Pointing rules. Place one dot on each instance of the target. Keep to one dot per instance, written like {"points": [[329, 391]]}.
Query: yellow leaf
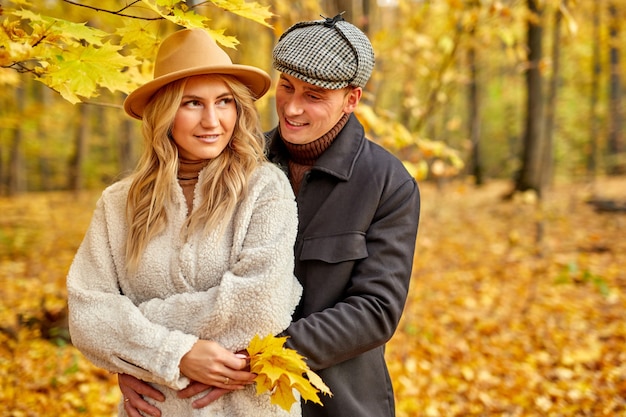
{"points": [[305, 388], [283, 394], [250, 10], [270, 369], [317, 382], [263, 383], [269, 343], [281, 370], [183, 16], [63, 29]]}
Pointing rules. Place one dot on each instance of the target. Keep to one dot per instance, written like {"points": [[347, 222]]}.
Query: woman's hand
{"points": [[209, 363], [210, 367]]}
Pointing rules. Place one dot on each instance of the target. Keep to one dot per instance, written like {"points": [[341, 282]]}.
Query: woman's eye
{"points": [[192, 103], [225, 101]]}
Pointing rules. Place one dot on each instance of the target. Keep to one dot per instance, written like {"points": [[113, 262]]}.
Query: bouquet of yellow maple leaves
{"points": [[280, 370]]}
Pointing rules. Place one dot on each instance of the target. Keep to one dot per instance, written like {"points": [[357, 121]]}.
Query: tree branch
{"points": [[117, 13]]}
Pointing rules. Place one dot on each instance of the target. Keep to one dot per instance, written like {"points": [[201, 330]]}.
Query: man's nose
{"points": [[294, 105]]}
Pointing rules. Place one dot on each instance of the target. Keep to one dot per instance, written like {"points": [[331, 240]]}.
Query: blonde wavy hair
{"points": [[151, 194]]}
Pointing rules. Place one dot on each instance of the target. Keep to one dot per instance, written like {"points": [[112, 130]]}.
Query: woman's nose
{"points": [[209, 117]]}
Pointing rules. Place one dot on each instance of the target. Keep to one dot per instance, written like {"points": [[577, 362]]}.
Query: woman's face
{"points": [[205, 120]]}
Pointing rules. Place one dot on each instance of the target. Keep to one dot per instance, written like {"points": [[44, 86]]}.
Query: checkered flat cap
{"points": [[329, 53]]}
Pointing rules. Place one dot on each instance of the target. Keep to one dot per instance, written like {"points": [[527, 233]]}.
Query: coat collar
{"points": [[338, 160]]}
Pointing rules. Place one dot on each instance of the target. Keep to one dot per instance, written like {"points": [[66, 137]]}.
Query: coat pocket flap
{"points": [[335, 249]]}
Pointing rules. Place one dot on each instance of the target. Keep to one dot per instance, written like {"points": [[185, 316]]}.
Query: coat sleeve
{"points": [[259, 292], [369, 311], [107, 327]]}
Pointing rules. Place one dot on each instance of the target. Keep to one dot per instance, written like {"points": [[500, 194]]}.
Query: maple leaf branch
{"points": [[44, 35], [19, 66], [114, 12]]}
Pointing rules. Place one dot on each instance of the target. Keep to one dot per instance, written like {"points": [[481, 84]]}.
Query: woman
{"points": [[192, 255]]}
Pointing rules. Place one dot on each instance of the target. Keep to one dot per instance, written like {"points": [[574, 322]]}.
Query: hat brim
{"points": [[257, 80]]}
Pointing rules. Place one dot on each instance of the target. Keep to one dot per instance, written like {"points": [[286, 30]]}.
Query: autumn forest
{"points": [[510, 113]]}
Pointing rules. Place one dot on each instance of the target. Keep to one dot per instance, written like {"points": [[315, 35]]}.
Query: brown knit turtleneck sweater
{"points": [[188, 172], [303, 157]]}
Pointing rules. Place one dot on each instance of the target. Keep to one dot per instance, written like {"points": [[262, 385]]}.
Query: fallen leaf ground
{"points": [[516, 308]]}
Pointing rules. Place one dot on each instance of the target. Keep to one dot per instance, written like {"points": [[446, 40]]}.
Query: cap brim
{"points": [[258, 81]]}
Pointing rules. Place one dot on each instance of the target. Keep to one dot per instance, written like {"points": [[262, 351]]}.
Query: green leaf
{"points": [[81, 71], [135, 33]]}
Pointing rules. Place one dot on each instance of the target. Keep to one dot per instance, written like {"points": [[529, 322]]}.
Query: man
{"points": [[358, 212]]}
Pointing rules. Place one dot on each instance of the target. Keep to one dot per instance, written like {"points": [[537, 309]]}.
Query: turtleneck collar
{"points": [[308, 153], [188, 173], [189, 170], [303, 156]]}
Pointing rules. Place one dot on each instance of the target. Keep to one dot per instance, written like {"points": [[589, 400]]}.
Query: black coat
{"points": [[358, 212]]}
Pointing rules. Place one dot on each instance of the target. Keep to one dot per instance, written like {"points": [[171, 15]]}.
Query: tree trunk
{"points": [[596, 72], [128, 136], [43, 133], [334, 7], [75, 171], [476, 166], [551, 105], [530, 174], [365, 26], [2, 176], [616, 138], [15, 179]]}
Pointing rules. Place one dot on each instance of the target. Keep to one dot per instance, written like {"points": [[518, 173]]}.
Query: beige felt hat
{"points": [[192, 52]]}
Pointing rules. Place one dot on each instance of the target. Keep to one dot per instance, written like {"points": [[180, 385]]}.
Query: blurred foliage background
{"points": [[517, 305], [450, 92]]}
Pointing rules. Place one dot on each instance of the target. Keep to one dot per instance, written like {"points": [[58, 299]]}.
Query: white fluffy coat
{"points": [[225, 288]]}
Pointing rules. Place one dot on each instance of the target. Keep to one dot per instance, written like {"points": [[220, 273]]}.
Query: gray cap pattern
{"points": [[329, 53]]}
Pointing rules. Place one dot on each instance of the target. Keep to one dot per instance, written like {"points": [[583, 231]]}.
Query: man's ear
{"points": [[353, 98]]}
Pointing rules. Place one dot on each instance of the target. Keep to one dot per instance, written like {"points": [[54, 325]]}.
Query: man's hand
{"points": [[195, 387], [133, 390]]}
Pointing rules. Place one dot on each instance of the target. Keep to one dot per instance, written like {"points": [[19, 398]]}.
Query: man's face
{"points": [[306, 112]]}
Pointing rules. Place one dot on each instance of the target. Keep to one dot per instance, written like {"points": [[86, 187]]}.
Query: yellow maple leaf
{"points": [[283, 393], [317, 382], [250, 10], [178, 13], [281, 370]]}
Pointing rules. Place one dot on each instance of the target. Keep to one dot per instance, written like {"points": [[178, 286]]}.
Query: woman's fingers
{"points": [[209, 363]]}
